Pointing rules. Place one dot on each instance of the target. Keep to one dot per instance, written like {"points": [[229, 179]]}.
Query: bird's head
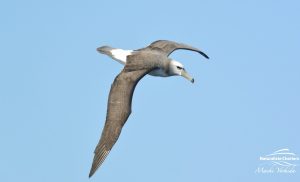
{"points": [[176, 68]]}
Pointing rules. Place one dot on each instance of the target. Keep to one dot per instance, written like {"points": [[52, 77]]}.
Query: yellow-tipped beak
{"points": [[187, 76]]}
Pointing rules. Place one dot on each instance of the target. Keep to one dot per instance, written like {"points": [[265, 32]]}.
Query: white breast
{"points": [[120, 55]]}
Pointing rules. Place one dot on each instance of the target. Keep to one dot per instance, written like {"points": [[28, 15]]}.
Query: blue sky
{"points": [[54, 87]]}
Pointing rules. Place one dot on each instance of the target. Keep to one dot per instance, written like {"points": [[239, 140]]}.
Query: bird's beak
{"points": [[187, 76]]}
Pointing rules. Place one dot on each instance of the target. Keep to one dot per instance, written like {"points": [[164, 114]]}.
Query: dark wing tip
{"points": [[203, 54], [100, 156], [92, 171]]}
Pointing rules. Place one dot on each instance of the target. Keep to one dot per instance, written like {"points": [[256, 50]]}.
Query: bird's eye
{"points": [[179, 67]]}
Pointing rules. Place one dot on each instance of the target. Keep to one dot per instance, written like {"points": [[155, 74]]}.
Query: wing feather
{"points": [[167, 47], [118, 111]]}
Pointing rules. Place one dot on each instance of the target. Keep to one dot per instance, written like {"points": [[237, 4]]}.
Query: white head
{"points": [[176, 68]]}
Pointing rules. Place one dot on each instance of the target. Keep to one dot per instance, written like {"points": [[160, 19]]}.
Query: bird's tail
{"points": [[116, 54], [105, 50]]}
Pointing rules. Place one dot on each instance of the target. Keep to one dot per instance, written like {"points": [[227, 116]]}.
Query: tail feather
{"points": [[119, 55]]}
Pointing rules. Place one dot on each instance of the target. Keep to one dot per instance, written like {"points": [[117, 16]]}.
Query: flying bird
{"points": [[152, 60]]}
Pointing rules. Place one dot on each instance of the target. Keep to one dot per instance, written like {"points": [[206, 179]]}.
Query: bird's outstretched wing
{"points": [[118, 111], [167, 47]]}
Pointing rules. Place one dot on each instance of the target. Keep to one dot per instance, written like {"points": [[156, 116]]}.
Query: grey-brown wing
{"points": [[118, 111], [168, 47]]}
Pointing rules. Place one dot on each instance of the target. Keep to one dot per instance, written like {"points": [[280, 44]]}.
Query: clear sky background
{"points": [[54, 87]]}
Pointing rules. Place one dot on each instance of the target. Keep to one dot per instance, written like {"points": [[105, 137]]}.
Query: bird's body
{"points": [[151, 60], [120, 56]]}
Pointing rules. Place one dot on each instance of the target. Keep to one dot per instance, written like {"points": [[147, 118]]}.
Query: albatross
{"points": [[153, 60]]}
